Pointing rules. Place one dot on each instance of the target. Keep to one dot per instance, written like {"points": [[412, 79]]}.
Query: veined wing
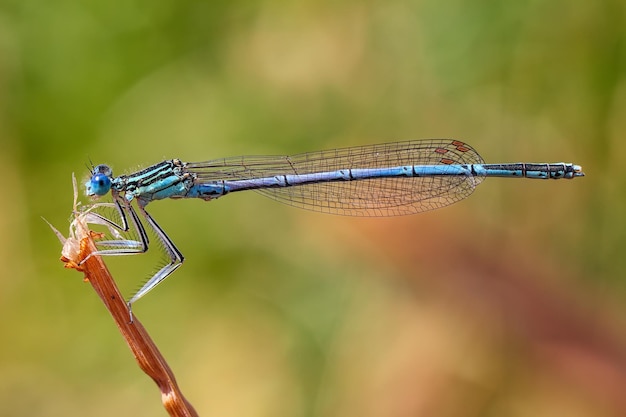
{"points": [[388, 196]]}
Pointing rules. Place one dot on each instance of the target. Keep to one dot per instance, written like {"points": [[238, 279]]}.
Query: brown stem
{"points": [[145, 351]]}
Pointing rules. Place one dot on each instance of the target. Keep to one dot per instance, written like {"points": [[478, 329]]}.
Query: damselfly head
{"points": [[100, 182]]}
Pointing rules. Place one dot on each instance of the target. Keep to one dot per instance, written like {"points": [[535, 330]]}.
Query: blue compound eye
{"points": [[100, 184]]}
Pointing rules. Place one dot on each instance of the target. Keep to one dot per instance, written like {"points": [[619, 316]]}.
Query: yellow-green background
{"points": [[510, 303]]}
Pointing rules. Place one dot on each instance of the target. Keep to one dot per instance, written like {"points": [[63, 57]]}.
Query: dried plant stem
{"points": [[146, 353]]}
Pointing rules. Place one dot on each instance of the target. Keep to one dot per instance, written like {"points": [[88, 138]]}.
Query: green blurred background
{"points": [[510, 303]]}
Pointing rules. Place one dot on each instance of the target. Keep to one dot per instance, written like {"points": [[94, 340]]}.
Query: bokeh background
{"points": [[510, 303]]}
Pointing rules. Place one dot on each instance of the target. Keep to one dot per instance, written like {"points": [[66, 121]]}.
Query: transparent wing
{"points": [[367, 197]]}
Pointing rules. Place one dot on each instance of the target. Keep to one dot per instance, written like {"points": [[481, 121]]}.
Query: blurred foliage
{"points": [[509, 303]]}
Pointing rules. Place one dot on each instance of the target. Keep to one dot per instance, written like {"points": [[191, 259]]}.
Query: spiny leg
{"points": [[176, 258], [122, 246]]}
